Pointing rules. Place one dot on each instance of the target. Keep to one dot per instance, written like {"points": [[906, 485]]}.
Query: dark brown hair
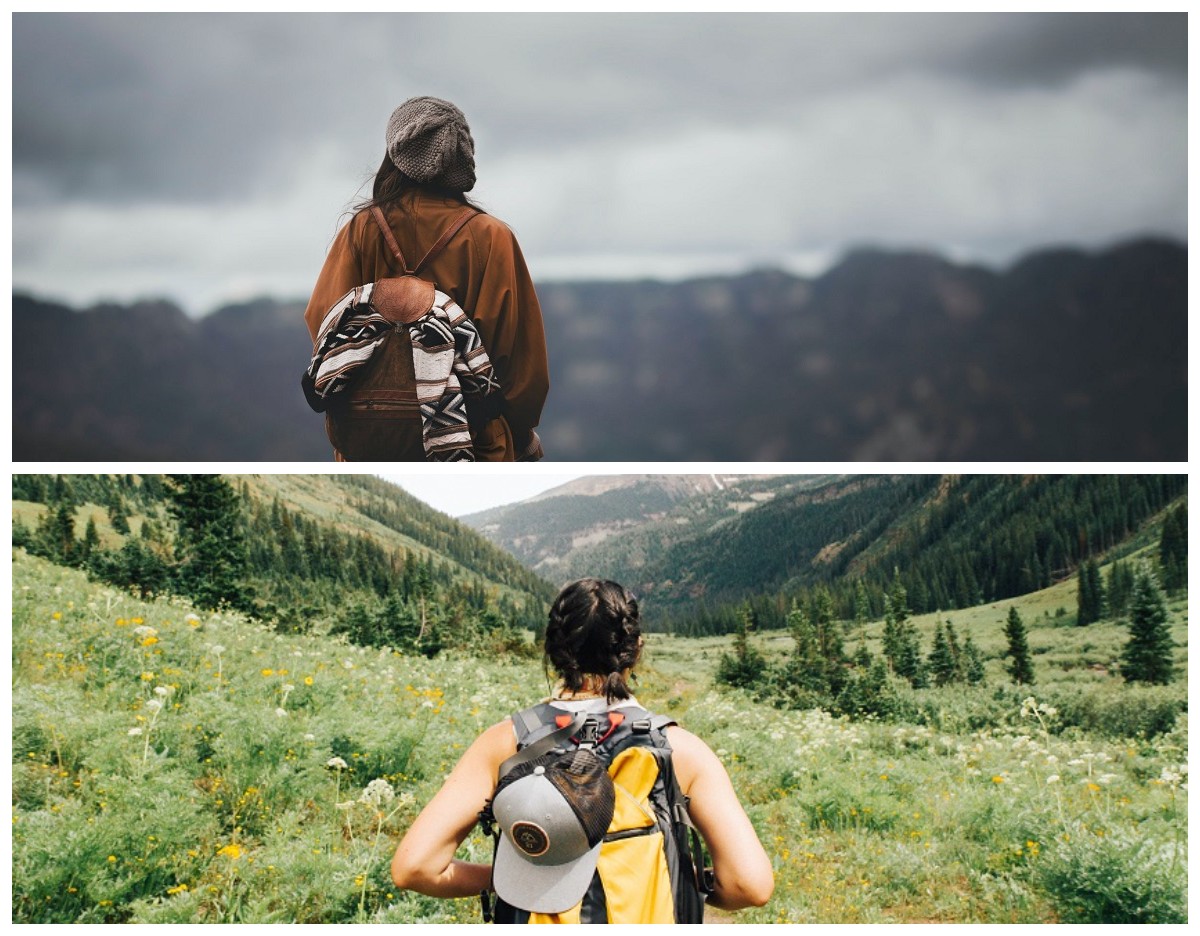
{"points": [[391, 184], [594, 630]]}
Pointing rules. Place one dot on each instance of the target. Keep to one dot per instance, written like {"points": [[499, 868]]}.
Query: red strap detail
{"points": [[614, 720], [563, 720]]}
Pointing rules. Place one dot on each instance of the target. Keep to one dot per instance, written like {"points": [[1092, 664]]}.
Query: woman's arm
{"points": [[743, 873], [424, 861], [340, 273]]}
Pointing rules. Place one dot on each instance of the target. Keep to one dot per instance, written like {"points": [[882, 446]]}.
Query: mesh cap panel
{"points": [[582, 780]]}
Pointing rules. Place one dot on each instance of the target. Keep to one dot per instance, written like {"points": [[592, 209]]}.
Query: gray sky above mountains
{"points": [[209, 157]]}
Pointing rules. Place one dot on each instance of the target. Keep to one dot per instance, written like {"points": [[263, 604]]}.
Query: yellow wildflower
{"points": [[268, 672], [148, 677], [150, 641], [308, 680], [57, 615], [997, 779], [232, 850]]}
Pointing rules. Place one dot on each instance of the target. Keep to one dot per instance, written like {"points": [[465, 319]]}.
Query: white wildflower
{"points": [[145, 630], [216, 649], [378, 793], [288, 687], [281, 712], [1053, 778], [163, 691], [1106, 779], [154, 705], [310, 737], [134, 732], [336, 763]]}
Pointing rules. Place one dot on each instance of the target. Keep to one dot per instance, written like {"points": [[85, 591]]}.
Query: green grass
{"points": [[220, 806]]}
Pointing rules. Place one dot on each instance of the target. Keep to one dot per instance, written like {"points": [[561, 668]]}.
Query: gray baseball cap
{"points": [[553, 813]]}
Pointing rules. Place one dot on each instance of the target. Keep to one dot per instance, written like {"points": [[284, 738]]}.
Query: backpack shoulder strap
{"points": [[390, 239], [455, 226], [527, 722]]}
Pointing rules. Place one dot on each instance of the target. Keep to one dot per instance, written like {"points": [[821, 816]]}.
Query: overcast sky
{"points": [[208, 158], [464, 493]]}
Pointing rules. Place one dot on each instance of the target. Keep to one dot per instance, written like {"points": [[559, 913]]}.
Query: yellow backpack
{"points": [[651, 867]]}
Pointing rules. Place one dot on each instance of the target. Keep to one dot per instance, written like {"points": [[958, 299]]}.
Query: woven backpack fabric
{"points": [[399, 369]]}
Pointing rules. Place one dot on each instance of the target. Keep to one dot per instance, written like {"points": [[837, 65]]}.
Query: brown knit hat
{"points": [[429, 141]]}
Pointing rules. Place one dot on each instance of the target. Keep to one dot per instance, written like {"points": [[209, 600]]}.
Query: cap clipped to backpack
{"points": [[553, 813]]}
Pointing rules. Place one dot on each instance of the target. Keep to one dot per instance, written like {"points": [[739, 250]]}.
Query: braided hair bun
{"points": [[594, 630]]}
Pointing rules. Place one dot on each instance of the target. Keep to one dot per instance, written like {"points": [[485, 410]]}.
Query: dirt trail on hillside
{"points": [[713, 915]]}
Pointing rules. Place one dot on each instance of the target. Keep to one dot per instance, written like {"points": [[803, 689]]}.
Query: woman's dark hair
{"points": [[390, 184], [594, 629]]}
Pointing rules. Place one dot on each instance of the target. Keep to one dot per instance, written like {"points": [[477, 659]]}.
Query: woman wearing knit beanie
{"points": [[428, 167]]}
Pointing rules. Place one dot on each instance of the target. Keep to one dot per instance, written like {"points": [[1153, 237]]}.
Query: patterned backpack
{"points": [[399, 370], [651, 867]]}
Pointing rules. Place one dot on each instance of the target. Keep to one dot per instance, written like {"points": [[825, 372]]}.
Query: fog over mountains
{"points": [[1067, 355]]}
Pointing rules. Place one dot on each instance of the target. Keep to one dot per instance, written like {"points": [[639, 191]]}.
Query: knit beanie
{"points": [[429, 141]]}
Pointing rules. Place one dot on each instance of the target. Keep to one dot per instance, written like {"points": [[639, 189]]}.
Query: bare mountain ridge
{"points": [[595, 525], [1067, 355]]}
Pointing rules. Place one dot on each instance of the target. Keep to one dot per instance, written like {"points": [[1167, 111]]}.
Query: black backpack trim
{"points": [[538, 733]]}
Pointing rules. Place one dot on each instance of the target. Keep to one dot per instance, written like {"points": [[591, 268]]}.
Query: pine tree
{"points": [[955, 651], [1091, 594], [908, 658], [973, 669], [831, 654], [1172, 550], [55, 536], [1021, 667], [862, 605], [211, 546], [90, 541], [943, 667], [1147, 656], [746, 666], [1119, 587], [895, 620]]}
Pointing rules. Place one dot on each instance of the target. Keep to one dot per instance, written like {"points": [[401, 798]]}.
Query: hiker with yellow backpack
{"points": [[601, 811]]}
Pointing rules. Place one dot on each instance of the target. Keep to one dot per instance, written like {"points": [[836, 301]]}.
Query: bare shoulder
{"points": [[691, 756]]}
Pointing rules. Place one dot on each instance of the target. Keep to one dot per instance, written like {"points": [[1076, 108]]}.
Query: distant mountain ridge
{"points": [[572, 530], [696, 550], [1067, 355]]}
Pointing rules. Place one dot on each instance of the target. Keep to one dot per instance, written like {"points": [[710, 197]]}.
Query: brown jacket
{"points": [[483, 270]]}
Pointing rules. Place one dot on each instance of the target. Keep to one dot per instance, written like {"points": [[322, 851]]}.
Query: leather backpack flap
{"points": [[402, 299]]}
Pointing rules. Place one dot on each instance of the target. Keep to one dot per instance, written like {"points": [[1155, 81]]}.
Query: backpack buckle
{"points": [[589, 734], [641, 726]]}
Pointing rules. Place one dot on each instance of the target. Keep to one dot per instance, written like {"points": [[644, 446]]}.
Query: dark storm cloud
{"points": [[208, 157], [183, 108]]}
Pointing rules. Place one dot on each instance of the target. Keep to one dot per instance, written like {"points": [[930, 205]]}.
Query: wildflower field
{"points": [[175, 766]]}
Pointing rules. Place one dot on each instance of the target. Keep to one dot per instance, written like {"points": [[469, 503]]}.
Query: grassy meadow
{"points": [[175, 766]]}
